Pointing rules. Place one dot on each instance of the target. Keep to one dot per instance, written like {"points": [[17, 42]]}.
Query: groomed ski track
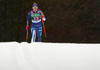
{"points": [[49, 56]]}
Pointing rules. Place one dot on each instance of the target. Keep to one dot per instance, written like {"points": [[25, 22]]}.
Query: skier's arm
{"points": [[44, 19]]}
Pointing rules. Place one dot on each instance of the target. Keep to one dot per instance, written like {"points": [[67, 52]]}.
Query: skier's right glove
{"points": [[27, 27]]}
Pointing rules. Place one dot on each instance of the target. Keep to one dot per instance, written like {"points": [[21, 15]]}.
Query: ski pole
{"points": [[27, 35], [44, 27]]}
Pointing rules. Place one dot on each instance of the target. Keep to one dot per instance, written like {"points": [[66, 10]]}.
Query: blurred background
{"points": [[68, 21]]}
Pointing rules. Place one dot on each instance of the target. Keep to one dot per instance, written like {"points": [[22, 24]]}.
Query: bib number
{"points": [[35, 16]]}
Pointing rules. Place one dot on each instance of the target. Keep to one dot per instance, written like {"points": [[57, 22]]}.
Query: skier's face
{"points": [[35, 8]]}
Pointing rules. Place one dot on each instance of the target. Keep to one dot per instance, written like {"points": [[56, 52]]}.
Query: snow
{"points": [[49, 56]]}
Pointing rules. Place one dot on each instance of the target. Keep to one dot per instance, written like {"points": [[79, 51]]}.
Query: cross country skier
{"points": [[36, 25]]}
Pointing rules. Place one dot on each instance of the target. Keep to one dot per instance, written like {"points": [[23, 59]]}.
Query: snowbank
{"points": [[49, 56]]}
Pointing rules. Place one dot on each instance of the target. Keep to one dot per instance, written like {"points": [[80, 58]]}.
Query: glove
{"points": [[27, 27], [44, 19]]}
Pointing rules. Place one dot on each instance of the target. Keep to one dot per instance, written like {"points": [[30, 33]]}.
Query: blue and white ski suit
{"points": [[36, 25]]}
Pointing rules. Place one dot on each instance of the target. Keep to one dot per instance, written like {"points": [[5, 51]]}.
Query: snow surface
{"points": [[49, 56]]}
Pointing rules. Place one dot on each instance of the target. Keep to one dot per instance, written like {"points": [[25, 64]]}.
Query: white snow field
{"points": [[49, 56]]}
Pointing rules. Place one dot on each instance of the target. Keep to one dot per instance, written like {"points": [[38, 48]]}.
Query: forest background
{"points": [[68, 21]]}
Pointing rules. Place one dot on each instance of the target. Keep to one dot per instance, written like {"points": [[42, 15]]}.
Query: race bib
{"points": [[35, 15]]}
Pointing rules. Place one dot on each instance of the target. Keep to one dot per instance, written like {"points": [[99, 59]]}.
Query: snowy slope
{"points": [[49, 56]]}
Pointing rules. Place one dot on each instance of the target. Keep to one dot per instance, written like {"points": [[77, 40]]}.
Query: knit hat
{"points": [[35, 5]]}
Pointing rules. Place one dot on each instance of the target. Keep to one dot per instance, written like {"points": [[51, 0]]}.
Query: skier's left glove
{"points": [[27, 26], [44, 19]]}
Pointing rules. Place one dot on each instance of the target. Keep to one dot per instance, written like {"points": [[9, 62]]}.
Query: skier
{"points": [[36, 25]]}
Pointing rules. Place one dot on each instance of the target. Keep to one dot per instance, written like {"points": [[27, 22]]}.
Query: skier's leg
{"points": [[39, 33], [33, 31]]}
